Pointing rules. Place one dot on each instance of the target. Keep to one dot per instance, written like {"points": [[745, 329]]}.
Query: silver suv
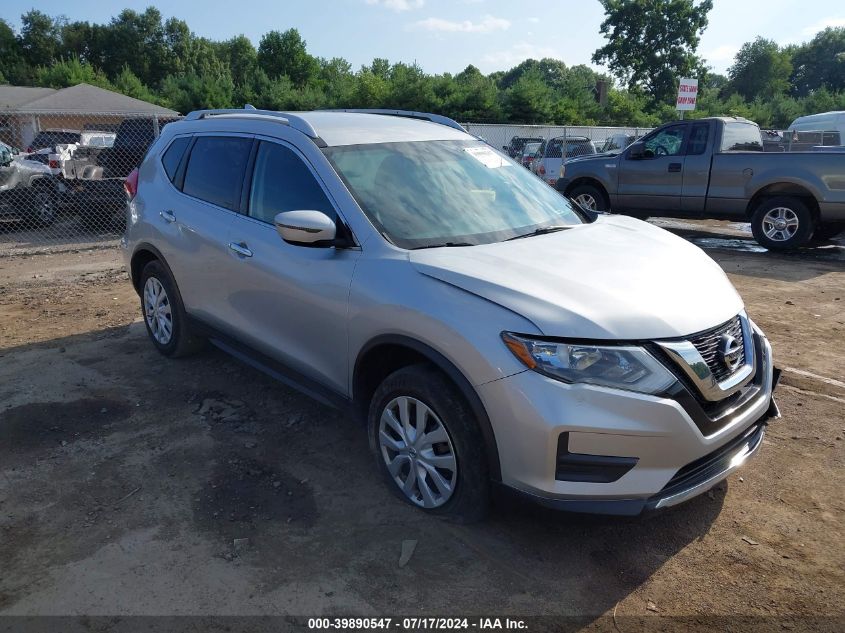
{"points": [[485, 329]]}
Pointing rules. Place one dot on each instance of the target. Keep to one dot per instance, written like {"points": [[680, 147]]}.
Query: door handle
{"points": [[674, 167], [168, 216], [241, 249]]}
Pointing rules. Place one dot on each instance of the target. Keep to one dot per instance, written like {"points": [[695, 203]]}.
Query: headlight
{"points": [[621, 367], [562, 171]]}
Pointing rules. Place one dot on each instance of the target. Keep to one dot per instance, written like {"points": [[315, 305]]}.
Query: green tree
{"points": [[760, 70], [71, 72], [195, 92], [13, 67], [39, 38], [285, 55], [652, 43], [129, 84], [820, 63], [530, 100], [241, 56]]}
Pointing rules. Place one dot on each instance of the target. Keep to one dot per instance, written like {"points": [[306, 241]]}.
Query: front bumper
{"points": [[674, 456]]}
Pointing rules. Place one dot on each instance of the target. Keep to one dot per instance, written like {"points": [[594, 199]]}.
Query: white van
{"points": [[818, 130]]}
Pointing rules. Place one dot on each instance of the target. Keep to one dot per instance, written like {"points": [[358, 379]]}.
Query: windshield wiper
{"points": [[541, 231], [419, 248]]}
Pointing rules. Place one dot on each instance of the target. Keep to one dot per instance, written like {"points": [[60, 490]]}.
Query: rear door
{"points": [[654, 182], [289, 302], [196, 216]]}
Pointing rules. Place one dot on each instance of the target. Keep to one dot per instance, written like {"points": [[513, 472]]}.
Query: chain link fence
{"points": [[543, 148], [62, 175]]}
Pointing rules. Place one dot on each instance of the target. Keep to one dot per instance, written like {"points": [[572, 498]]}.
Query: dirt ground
{"points": [[127, 482]]}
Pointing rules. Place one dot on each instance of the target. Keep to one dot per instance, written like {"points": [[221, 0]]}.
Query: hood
{"points": [[617, 278], [602, 156]]}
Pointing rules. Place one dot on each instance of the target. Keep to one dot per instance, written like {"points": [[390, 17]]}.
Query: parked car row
{"points": [[716, 168], [76, 172]]}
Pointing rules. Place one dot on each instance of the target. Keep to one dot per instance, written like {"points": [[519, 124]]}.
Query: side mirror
{"points": [[636, 151], [306, 228]]}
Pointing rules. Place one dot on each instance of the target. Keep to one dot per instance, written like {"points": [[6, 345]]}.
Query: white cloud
{"points": [[822, 24], [487, 24], [519, 52], [723, 53], [398, 5]]}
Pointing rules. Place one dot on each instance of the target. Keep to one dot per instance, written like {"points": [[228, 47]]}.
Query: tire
{"points": [[463, 494], [587, 195], [782, 223], [44, 205], [827, 231], [165, 319]]}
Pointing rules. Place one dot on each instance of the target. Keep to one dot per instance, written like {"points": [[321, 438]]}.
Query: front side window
{"points": [[440, 193], [282, 182], [216, 169], [667, 142]]}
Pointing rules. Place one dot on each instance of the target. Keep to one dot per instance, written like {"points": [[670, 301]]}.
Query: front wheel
{"points": [[590, 198], [43, 206], [426, 444], [782, 223]]}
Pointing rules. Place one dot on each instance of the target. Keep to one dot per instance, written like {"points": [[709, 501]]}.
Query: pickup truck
{"points": [[716, 168]]}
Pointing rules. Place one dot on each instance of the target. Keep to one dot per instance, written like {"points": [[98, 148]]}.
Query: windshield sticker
{"points": [[487, 157]]}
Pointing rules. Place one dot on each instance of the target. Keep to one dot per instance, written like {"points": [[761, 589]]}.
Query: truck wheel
{"points": [[43, 205], [826, 231], [589, 197], [782, 223], [426, 444]]}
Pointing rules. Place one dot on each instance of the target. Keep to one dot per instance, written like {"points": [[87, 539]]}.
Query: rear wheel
{"points": [[782, 223], [589, 197], [164, 314], [426, 444]]}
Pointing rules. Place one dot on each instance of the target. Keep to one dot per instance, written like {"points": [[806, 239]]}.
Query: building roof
{"points": [[15, 96], [79, 98]]}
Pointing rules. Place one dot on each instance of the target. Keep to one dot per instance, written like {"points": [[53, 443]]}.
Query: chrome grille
{"points": [[707, 344]]}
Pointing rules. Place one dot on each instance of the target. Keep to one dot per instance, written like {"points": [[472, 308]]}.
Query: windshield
{"points": [[447, 193]]}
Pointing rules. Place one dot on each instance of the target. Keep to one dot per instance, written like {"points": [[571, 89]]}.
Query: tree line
{"points": [[650, 44]]}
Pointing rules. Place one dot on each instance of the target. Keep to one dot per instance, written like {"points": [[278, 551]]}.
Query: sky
{"points": [[447, 35]]}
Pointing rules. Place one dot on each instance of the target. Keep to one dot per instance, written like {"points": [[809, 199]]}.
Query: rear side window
{"points": [[216, 168], [698, 139], [173, 156], [282, 182], [741, 137]]}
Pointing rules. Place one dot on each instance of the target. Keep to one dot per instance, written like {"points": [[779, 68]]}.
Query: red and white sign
{"points": [[687, 94]]}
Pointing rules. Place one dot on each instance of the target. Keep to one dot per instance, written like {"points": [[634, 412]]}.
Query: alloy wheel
{"points": [[586, 201], [780, 224], [418, 452], [157, 311]]}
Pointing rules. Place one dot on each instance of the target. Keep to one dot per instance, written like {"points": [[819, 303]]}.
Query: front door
{"points": [[290, 301], [653, 181]]}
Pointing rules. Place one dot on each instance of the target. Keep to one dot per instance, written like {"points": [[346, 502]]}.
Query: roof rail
{"points": [[409, 114], [286, 118]]}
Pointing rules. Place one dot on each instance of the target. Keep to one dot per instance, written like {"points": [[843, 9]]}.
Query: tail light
{"points": [[542, 170], [30, 149], [54, 164], [130, 185]]}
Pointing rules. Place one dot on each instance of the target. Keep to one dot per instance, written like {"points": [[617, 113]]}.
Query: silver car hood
{"points": [[617, 278]]}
